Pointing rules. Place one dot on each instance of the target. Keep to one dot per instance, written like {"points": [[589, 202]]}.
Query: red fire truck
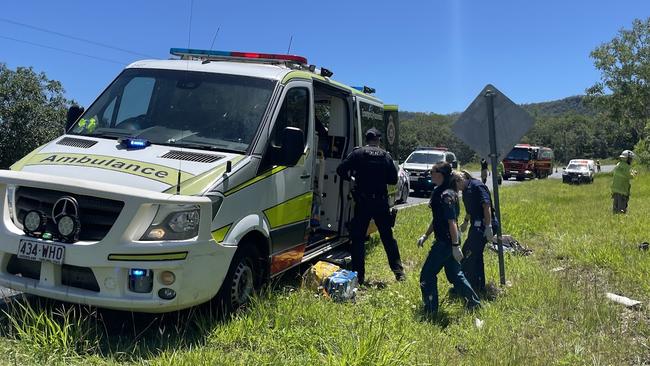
{"points": [[527, 161]]}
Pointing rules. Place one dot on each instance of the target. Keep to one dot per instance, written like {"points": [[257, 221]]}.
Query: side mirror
{"points": [[74, 112], [293, 145], [454, 164]]}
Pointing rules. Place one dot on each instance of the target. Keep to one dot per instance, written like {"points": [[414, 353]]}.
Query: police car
{"points": [[579, 171], [188, 179], [418, 166]]}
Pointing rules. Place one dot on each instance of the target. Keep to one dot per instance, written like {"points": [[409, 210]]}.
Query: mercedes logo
{"points": [[65, 205]]}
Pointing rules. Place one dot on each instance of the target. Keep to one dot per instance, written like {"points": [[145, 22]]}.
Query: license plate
{"points": [[40, 251], [513, 172]]}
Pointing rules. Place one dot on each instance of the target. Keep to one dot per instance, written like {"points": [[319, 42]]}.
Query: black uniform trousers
{"points": [[472, 263], [377, 209]]}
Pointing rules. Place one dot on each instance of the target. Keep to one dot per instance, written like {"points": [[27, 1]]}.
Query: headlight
{"points": [[174, 222], [11, 196]]}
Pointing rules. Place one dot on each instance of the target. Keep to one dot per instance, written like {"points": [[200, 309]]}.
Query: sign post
{"points": [[489, 95], [504, 123]]}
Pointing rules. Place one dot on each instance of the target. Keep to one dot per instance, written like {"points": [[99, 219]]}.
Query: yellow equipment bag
{"points": [[316, 274]]}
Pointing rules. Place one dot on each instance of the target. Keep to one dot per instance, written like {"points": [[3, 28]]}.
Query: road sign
{"points": [[511, 122], [491, 126]]}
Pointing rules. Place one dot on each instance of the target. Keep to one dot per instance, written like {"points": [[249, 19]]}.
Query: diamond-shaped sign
{"points": [[511, 122]]}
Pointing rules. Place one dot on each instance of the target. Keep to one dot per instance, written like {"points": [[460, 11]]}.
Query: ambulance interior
{"points": [[331, 125]]}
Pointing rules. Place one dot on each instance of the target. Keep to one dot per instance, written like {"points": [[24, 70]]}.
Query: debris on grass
{"points": [[630, 303]]}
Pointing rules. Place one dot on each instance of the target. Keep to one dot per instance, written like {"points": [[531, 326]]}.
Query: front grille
{"points": [[417, 173], [96, 215], [79, 277], [191, 156], [74, 142], [73, 276], [24, 268]]}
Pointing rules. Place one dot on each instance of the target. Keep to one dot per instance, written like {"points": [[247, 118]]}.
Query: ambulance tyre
{"points": [[242, 280]]}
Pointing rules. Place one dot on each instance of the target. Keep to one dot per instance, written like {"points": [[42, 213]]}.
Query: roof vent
{"points": [[75, 142], [191, 156]]}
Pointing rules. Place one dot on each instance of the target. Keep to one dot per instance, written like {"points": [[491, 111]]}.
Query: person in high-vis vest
{"points": [[623, 174]]}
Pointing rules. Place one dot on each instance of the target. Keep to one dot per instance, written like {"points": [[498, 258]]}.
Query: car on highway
{"points": [[418, 166], [579, 171], [403, 186]]}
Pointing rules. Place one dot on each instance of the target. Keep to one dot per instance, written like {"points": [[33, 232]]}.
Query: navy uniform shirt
{"points": [[444, 207], [474, 195], [372, 168]]}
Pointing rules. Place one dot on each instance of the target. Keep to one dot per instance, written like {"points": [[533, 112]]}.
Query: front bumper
{"points": [[570, 178], [521, 174], [199, 265], [420, 183]]}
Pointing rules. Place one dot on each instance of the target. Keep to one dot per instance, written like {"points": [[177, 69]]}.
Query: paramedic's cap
{"points": [[372, 134]]}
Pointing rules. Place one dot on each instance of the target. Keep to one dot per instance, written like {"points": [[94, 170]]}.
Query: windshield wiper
{"points": [[107, 134]]}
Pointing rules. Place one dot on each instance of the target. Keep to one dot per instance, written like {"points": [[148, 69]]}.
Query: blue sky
{"points": [[426, 56]]}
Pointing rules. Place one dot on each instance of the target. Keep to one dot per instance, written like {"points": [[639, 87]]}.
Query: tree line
{"points": [[571, 127]]}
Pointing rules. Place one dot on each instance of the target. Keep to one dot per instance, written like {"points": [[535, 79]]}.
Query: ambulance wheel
{"points": [[242, 280]]}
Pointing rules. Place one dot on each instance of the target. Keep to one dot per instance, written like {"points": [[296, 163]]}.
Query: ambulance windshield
{"points": [[181, 108]]}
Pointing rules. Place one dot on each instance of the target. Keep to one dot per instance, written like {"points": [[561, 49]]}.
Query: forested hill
{"points": [[572, 128], [571, 105]]}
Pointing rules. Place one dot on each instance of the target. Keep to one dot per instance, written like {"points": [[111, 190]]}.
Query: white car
{"points": [[419, 163], [579, 171], [403, 186]]}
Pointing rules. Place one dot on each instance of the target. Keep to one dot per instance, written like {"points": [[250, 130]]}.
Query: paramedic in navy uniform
{"points": [[478, 206], [445, 252], [373, 169]]}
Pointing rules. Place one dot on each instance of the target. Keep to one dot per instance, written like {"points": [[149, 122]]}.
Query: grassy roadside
{"points": [[543, 317]]}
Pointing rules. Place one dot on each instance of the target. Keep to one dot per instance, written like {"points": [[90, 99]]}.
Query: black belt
{"points": [[373, 196]]}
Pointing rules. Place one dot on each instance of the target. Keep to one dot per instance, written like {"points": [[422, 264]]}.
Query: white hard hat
{"points": [[627, 154]]}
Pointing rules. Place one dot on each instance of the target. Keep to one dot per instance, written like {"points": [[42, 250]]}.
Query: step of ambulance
{"points": [[340, 257]]}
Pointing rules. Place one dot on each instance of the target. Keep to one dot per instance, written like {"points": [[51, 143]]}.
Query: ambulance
{"points": [[188, 180]]}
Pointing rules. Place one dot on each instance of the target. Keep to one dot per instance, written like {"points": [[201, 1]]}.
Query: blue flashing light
{"points": [[137, 272], [133, 143], [359, 88]]}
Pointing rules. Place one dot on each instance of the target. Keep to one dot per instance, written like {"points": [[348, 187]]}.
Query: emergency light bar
{"points": [[440, 148], [185, 53]]}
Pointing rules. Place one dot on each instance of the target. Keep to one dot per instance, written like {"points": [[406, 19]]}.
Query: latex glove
{"points": [[488, 233], [463, 226], [457, 253], [422, 240]]}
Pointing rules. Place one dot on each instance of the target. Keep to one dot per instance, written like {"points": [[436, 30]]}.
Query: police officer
{"points": [[373, 169], [445, 252], [478, 208]]}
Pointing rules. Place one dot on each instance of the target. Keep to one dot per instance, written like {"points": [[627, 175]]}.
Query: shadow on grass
{"points": [[440, 318], [71, 330]]}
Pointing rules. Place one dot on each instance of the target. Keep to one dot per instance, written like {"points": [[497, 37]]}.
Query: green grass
{"points": [[541, 318]]}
